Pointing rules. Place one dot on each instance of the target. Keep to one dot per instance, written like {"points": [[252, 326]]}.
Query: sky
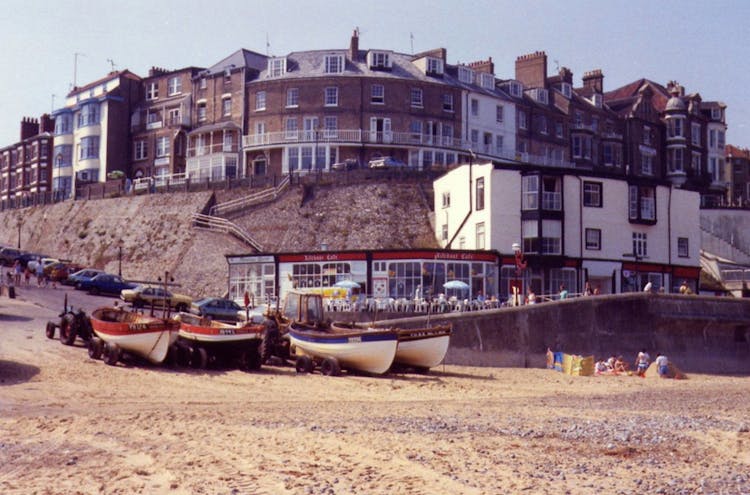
{"points": [[705, 46]]}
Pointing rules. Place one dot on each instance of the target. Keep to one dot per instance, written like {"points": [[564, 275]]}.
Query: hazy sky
{"points": [[702, 45]]}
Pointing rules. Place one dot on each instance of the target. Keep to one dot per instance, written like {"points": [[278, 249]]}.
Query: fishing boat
{"points": [[418, 348], [119, 330], [368, 350], [202, 340]]}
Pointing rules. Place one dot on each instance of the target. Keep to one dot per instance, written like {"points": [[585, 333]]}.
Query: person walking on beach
{"points": [[662, 365]]}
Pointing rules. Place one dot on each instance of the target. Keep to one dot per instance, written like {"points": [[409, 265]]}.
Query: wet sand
{"points": [[72, 425]]}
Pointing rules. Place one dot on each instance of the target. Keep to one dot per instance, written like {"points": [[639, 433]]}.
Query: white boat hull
{"points": [[152, 346], [374, 356], [422, 353]]}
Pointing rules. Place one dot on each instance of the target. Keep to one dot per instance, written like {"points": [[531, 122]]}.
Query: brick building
{"points": [[26, 166], [737, 172]]}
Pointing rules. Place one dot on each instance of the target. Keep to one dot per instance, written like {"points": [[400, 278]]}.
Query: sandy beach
{"points": [[71, 425]]}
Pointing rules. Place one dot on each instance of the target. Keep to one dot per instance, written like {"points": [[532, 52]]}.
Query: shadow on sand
{"points": [[12, 373]]}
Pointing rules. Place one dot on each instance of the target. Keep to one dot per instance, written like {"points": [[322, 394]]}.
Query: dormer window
{"points": [[716, 113], [379, 60], [276, 67], [486, 80], [539, 94], [566, 90], [465, 75], [334, 64], [434, 66], [596, 99]]}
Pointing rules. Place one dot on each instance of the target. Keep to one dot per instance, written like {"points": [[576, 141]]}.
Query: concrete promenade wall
{"points": [[698, 333]]}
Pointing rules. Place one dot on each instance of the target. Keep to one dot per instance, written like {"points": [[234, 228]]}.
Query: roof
{"points": [[622, 99], [117, 74], [242, 58]]}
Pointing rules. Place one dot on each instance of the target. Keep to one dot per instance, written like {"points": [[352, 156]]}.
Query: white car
{"points": [[386, 162]]}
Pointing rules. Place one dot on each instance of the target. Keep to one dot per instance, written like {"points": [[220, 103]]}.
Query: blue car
{"points": [[218, 309], [84, 275], [104, 283]]}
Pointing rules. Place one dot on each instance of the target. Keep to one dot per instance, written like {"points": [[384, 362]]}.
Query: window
{"points": [[695, 134], [226, 107], [551, 193], [334, 64], [89, 148], [174, 85], [416, 97], [276, 67], [201, 112], [331, 98], [607, 154], [203, 83], [88, 115], [499, 114], [530, 192], [448, 102], [140, 150], [292, 97], [63, 156], [696, 161], [542, 122], [647, 163], [487, 80], [63, 124], [551, 238], [152, 91], [173, 116], [434, 66], [480, 194], [674, 127], [379, 60], [593, 239], [228, 142], [377, 94], [162, 146], [642, 203], [522, 123], [592, 194], [465, 75], [582, 146], [566, 90], [559, 131], [722, 137], [647, 135], [640, 244], [480, 235], [474, 107], [260, 101], [444, 232], [446, 199], [498, 144], [474, 136], [330, 126], [682, 247], [675, 159], [291, 128]]}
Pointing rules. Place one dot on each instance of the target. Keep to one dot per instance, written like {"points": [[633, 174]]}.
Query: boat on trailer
{"points": [[367, 350], [418, 348], [202, 340], [120, 330]]}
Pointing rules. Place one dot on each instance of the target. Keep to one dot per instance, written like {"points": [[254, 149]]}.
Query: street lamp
{"points": [[19, 223], [119, 258], [520, 267]]}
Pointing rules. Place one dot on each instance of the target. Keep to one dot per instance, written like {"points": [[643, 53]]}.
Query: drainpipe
{"points": [[581, 232], [471, 202], [669, 236]]}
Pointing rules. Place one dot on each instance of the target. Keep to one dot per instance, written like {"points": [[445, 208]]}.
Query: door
{"points": [[310, 126]]}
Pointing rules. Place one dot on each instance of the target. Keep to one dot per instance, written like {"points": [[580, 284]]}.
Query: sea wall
{"points": [[699, 334]]}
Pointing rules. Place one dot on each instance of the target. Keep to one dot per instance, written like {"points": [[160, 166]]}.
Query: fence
{"points": [[218, 224], [239, 204]]}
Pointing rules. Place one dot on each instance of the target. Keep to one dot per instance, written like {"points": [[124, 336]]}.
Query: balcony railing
{"points": [[194, 151]]}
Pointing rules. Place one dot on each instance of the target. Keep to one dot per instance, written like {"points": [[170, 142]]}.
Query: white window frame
{"points": [[331, 96], [226, 106], [276, 67], [152, 90], [499, 114], [480, 236], [434, 65], [140, 149], [465, 75], [593, 239], [416, 98], [377, 94], [334, 64], [163, 146], [292, 98], [448, 102], [174, 86], [260, 101]]}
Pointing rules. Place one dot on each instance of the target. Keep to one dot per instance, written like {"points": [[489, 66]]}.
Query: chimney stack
{"points": [[29, 128], [354, 46], [486, 66], [594, 80], [531, 70]]}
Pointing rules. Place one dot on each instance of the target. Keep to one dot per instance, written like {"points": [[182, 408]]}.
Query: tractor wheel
{"points": [[95, 348], [111, 354], [250, 359], [67, 331], [330, 367], [304, 365], [50, 330], [198, 358]]}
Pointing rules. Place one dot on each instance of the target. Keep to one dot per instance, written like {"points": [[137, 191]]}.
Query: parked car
{"points": [[143, 296], [386, 162], [60, 271], [9, 255], [104, 283], [83, 275], [348, 164], [218, 308]]}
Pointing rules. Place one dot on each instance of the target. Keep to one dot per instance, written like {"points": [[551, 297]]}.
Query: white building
{"points": [[571, 229]]}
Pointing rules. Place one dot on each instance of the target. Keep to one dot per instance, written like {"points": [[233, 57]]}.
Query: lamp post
{"points": [[19, 223], [520, 267], [119, 258]]}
